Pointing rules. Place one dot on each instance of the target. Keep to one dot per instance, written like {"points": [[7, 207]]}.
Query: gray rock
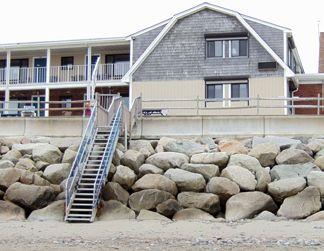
{"points": [[6, 164], [31, 178], [207, 141], [61, 196], [293, 156], [194, 214], [206, 170], [303, 147], [162, 143], [206, 201], [241, 176], [124, 176], [41, 165], [282, 142], [267, 216], [320, 153], [115, 210], [301, 205], [248, 162], [13, 156], [114, 191], [186, 147], [10, 141], [284, 188], [223, 187], [186, 181], [133, 159], [149, 169], [56, 173], [292, 171], [69, 156], [319, 216], [53, 212], [217, 158], [27, 148], [10, 211], [316, 145], [9, 176], [63, 184], [148, 199], [263, 179], [47, 153], [155, 181], [26, 164], [265, 153], [117, 156], [247, 205], [316, 179], [142, 146], [31, 197], [166, 160], [320, 162], [65, 142], [168, 208], [4, 149], [149, 215]]}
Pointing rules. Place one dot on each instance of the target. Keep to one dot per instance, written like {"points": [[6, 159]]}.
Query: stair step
{"points": [[82, 199], [91, 169], [85, 189], [78, 219], [79, 215], [83, 194], [89, 179]]}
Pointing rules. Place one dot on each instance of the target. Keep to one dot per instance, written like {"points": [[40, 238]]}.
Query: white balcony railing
{"points": [[63, 74]]}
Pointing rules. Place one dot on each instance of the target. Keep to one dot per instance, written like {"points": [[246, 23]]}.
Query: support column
{"points": [[7, 92], [47, 99], [48, 65], [89, 73]]}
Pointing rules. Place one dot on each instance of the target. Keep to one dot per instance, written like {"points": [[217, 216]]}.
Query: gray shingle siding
{"points": [[181, 53], [142, 41]]}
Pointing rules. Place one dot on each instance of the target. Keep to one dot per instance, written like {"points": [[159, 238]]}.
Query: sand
{"points": [[156, 235]]}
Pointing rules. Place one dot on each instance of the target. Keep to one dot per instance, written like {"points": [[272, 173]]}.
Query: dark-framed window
{"points": [[239, 90], [239, 48], [111, 59], [67, 62], [214, 91], [215, 48]]}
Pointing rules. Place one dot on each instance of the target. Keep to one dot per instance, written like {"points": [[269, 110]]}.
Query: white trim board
{"points": [[196, 9]]}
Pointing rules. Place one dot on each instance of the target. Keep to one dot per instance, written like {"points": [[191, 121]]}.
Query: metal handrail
{"points": [[80, 159]]}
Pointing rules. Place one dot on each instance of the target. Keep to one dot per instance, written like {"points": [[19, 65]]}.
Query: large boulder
{"points": [[232, 147], [31, 178], [319, 216], [241, 176], [207, 141], [267, 216], [69, 156], [316, 179], [263, 179], [223, 187], [168, 208], [303, 147], [319, 154], [114, 191], [162, 143], [247, 205], [115, 210], [56, 173], [206, 170], [10, 211], [149, 215], [284, 188], [186, 181], [206, 201], [293, 156], [9, 176], [31, 197], [320, 162], [6, 164], [124, 176], [194, 214], [186, 147], [13, 155], [27, 148], [292, 171], [117, 156], [282, 142], [148, 199], [301, 205], [155, 181], [26, 164], [48, 153], [133, 159], [316, 145], [142, 146], [166, 160], [246, 161], [53, 212], [265, 153], [64, 142], [10, 141], [217, 158], [149, 169], [4, 149]]}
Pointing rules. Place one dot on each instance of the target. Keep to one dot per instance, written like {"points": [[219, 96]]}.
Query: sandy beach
{"points": [[156, 235]]}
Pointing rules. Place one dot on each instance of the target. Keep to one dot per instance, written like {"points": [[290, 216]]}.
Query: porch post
{"points": [[47, 99], [7, 92], [48, 65], [89, 73]]}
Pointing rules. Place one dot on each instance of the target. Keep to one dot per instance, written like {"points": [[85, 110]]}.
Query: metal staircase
{"points": [[91, 166]]}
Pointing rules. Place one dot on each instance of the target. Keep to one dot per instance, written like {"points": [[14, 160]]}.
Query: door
{"points": [[40, 70], [39, 103], [94, 59]]}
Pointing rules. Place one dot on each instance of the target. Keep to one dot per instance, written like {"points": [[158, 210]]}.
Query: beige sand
{"points": [[155, 235]]}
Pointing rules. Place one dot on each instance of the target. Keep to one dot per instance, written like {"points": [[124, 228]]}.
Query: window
{"points": [[239, 48], [215, 48], [239, 90], [214, 91], [67, 101], [67, 62]]}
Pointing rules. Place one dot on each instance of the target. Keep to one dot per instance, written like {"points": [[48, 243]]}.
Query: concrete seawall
{"points": [[51, 127], [155, 127]]}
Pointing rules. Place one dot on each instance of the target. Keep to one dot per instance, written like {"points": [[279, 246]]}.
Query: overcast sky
{"points": [[39, 20]]}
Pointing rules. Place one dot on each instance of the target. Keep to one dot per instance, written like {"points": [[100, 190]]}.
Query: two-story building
{"points": [[206, 56]]}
